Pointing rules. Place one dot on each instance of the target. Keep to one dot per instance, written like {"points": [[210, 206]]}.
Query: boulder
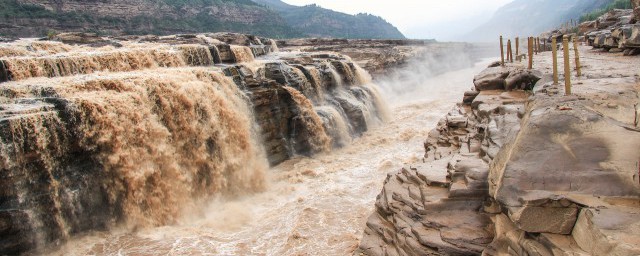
{"points": [[469, 96], [491, 79], [506, 78], [632, 36], [522, 79]]}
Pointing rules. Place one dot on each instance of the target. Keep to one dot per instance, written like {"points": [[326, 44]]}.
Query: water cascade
{"points": [[138, 135]]}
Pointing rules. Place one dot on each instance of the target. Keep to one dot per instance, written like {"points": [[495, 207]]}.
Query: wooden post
{"points": [[530, 51], [554, 49], [540, 45], [567, 68], [517, 46], [510, 51], [501, 51], [535, 46], [577, 55], [544, 45]]}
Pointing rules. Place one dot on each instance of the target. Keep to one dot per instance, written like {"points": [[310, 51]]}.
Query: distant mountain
{"points": [[39, 17], [316, 21], [269, 18], [532, 17]]}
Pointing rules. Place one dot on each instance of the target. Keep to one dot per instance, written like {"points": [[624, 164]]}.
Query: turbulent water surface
{"points": [[315, 206]]}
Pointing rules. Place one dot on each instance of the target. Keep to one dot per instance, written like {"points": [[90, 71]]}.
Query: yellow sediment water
{"points": [[113, 61], [319, 139], [170, 138], [242, 53]]}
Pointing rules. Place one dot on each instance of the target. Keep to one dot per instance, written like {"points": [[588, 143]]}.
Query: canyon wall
{"points": [[100, 133]]}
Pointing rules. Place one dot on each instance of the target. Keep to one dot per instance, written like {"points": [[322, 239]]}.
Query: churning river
{"points": [[311, 206]]}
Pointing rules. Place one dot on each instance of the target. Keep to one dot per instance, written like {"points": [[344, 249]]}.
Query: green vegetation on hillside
{"points": [[617, 4], [31, 17], [316, 21]]}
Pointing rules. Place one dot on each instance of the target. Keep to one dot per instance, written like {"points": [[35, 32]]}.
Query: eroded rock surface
{"points": [[524, 172]]}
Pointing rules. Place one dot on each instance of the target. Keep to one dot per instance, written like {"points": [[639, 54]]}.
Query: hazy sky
{"points": [[440, 19]]}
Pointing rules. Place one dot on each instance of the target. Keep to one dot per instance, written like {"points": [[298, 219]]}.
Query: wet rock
{"points": [[469, 96], [84, 38], [4, 75]]}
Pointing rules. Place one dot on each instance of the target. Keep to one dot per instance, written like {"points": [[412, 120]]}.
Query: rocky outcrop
{"points": [[521, 173], [441, 206], [499, 78], [614, 31], [98, 136]]}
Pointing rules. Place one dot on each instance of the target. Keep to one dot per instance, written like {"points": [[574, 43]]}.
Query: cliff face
{"points": [[136, 131]]}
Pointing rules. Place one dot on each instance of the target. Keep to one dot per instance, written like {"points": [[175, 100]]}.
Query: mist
{"points": [[428, 77]]}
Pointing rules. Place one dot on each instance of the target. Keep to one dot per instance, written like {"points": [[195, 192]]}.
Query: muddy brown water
{"points": [[311, 206]]}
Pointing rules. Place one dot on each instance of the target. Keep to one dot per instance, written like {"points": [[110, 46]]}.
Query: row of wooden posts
{"points": [[535, 46]]}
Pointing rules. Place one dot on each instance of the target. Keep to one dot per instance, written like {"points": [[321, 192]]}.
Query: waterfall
{"points": [[151, 145], [314, 77], [139, 135], [311, 125], [20, 68], [335, 123], [274, 45], [242, 53]]}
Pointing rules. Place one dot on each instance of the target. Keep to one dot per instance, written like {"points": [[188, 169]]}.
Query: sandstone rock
{"points": [[608, 231], [491, 79], [495, 64], [469, 96], [544, 219], [522, 79], [632, 37]]}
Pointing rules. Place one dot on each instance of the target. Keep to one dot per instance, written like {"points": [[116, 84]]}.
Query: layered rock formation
{"points": [[616, 31], [523, 173], [135, 131]]}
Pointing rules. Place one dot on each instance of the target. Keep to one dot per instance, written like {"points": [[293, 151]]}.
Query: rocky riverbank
{"points": [[523, 172]]}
